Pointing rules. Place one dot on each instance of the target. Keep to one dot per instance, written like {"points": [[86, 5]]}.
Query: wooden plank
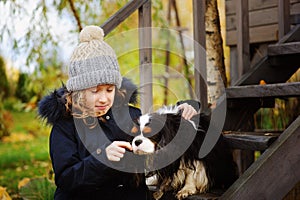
{"points": [[258, 34], [249, 140], [243, 48], [251, 102], [295, 8], [284, 49], [275, 172], [264, 91], [257, 132], [263, 17], [145, 55], [256, 18], [283, 17], [230, 5], [121, 15], [199, 8]]}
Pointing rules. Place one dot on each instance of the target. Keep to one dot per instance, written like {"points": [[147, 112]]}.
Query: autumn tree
{"points": [[42, 45]]}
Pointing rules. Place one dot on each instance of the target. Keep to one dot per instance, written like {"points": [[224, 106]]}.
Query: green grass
{"points": [[24, 158]]}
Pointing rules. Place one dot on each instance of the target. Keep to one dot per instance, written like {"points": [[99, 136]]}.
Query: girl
{"points": [[91, 119]]}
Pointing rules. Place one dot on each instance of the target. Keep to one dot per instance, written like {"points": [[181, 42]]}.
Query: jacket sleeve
{"points": [[72, 170]]}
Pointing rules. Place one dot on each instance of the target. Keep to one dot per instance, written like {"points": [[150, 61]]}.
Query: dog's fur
{"points": [[188, 174]]}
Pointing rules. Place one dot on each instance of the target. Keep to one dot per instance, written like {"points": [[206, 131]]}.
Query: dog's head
{"points": [[155, 130]]}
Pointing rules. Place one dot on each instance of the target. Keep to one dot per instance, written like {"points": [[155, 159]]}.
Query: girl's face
{"points": [[100, 98]]}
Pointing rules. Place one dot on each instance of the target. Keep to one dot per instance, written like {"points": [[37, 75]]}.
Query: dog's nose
{"points": [[138, 142]]}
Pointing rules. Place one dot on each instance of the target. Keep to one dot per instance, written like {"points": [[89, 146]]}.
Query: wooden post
{"points": [[145, 48], [283, 17], [234, 72], [242, 17], [199, 8], [167, 62]]}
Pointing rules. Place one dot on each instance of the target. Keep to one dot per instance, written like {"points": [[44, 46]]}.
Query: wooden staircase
{"points": [[276, 171]]}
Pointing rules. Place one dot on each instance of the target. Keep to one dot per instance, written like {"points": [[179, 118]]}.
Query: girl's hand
{"points": [[187, 111], [116, 150]]}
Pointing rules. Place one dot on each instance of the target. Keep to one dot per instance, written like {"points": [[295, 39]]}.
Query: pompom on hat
{"points": [[93, 62]]}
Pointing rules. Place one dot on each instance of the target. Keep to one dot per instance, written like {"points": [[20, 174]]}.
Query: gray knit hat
{"points": [[93, 62]]}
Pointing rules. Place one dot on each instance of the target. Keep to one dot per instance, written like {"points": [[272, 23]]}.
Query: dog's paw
{"points": [[157, 195], [184, 193]]}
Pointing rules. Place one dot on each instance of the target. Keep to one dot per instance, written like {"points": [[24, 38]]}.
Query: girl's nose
{"points": [[102, 97]]}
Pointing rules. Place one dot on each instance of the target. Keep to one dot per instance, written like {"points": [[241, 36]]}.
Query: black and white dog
{"points": [[162, 134]]}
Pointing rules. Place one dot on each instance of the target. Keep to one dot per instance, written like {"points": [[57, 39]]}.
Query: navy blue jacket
{"points": [[82, 170]]}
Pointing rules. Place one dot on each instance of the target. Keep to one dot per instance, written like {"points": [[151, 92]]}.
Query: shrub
{"points": [[4, 86], [23, 92], [5, 120]]}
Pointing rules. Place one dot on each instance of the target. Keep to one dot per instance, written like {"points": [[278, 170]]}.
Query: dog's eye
{"points": [[148, 123], [134, 130], [147, 129]]}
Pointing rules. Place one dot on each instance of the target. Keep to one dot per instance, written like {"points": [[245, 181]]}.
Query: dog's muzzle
{"points": [[142, 145]]}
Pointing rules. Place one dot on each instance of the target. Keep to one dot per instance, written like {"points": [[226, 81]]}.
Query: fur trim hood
{"points": [[52, 107]]}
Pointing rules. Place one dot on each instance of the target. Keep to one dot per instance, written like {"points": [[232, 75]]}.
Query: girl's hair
{"points": [[76, 106]]}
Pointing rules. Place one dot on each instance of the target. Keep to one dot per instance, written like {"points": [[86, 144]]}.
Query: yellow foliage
{"points": [[23, 182], [3, 194], [18, 137]]}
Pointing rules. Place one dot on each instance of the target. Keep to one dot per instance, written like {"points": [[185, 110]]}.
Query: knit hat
{"points": [[93, 62]]}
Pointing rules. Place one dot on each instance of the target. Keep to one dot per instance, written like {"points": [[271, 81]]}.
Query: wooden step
{"points": [[264, 91], [276, 171], [284, 49], [255, 141]]}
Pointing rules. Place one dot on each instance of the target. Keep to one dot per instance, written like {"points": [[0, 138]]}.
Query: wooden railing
{"points": [[145, 47]]}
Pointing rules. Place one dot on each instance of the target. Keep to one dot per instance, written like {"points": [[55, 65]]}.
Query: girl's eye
{"points": [[110, 89], [94, 91]]}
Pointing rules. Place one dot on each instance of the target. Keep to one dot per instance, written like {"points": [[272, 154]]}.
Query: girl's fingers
{"points": [[124, 144], [116, 150]]}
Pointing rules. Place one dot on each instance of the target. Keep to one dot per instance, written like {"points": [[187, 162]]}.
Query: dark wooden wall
{"points": [[263, 20]]}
